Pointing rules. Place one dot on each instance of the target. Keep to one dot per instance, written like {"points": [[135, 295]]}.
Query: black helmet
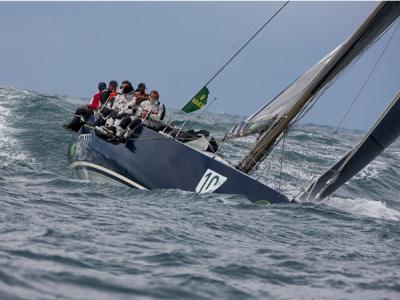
{"points": [[102, 86], [125, 82], [113, 83], [141, 86], [141, 91], [128, 88]]}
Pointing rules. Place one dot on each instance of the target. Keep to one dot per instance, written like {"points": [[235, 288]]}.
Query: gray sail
{"points": [[281, 104], [271, 120], [384, 132]]}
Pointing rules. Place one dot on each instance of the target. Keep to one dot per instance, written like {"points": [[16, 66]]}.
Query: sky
{"points": [[66, 48]]}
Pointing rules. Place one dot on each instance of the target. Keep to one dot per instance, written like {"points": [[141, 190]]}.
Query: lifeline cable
{"points": [[201, 114]]}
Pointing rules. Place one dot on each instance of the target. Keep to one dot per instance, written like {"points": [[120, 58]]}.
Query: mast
{"points": [[383, 133], [318, 78]]}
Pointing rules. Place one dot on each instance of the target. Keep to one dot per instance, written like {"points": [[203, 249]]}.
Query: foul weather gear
{"points": [[151, 109], [94, 104]]}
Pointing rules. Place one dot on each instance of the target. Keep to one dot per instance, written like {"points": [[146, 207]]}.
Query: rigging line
{"points": [[303, 189], [220, 147], [306, 109], [190, 115], [163, 138], [240, 50], [316, 97], [180, 129], [355, 21], [201, 114], [369, 76], [311, 189], [266, 155], [310, 105], [244, 28], [282, 157], [298, 93], [207, 108], [244, 46], [267, 165]]}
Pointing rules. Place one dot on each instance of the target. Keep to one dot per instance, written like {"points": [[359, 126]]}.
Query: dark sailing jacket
{"points": [[107, 94]]}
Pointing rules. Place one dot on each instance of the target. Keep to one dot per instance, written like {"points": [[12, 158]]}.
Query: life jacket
{"points": [[112, 96]]}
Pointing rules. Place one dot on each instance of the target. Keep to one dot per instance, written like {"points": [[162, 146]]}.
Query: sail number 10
{"points": [[210, 182]]}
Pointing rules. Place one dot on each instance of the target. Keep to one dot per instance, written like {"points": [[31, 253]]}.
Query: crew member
{"points": [[124, 103], [148, 110], [140, 93], [83, 113], [106, 102], [151, 108], [110, 94]]}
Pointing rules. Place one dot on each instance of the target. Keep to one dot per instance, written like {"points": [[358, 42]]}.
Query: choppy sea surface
{"points": [[63, 237]]}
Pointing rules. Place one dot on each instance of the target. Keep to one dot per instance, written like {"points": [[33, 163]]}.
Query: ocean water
{"points": [[63, 237]]}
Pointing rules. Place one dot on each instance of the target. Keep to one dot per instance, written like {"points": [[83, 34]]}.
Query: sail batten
{"points": [[275, 117]]}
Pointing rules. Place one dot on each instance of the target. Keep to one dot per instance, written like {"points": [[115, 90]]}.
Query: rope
{"points": [[316, 97], [244, 46], [224, 139], [136, 137], [368, 77], [265, 156], [235, 55], [267, 166], [308, 107], [244, 29], [303, 188], [199, 116], [282, 157]]}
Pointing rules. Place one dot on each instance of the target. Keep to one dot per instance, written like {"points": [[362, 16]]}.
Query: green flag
{"points": [[197, 102]]}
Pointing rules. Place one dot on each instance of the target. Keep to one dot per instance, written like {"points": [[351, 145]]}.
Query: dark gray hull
{"points": [[154, 161]]}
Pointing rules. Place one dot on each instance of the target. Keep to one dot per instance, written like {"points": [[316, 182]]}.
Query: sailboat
{"points": [[158, 159]]}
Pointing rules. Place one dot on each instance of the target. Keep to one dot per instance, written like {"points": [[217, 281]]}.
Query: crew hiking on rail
{"points": [[117, 113]]}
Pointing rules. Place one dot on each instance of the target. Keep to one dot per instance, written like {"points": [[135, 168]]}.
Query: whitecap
{"points": [[364, 207], [10, 150]]}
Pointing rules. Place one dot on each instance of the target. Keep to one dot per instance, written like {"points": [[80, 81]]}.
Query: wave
{"points": [[365, 207], [105, 242], [32, 140]]}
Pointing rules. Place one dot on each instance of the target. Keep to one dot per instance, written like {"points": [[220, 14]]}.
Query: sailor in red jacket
{"points": [[83, 113], [94, 104]]}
